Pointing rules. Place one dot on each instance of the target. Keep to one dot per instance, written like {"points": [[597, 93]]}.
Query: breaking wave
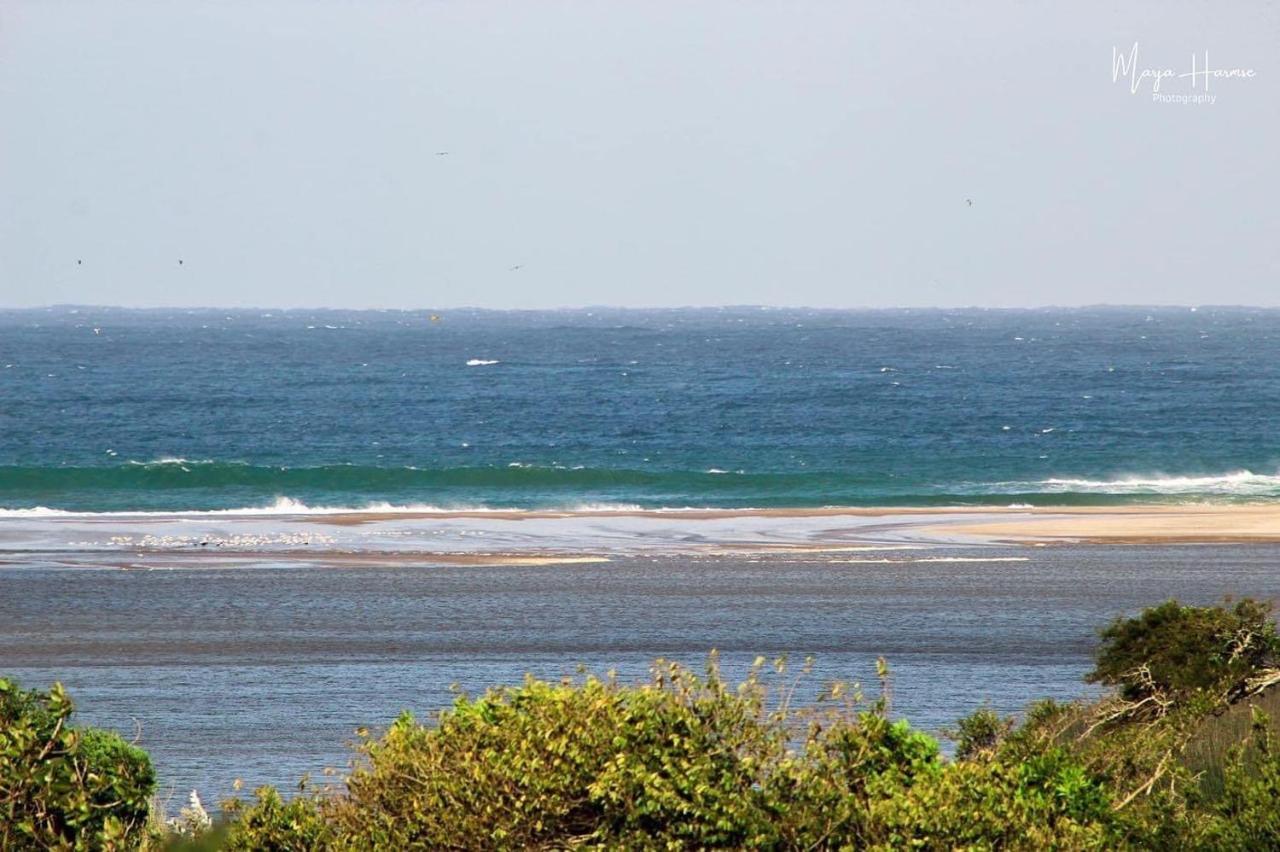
{"points": [[172, 485]]}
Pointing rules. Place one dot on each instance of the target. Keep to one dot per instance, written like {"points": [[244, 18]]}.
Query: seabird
{"points": [[969, 201]]}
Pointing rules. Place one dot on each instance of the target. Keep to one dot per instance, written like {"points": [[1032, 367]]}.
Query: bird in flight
{"points": [[179, 261], [517, 266], [78, 262], [442, 153], [969, 201]]}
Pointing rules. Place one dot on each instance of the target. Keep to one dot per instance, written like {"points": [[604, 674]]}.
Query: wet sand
{"points": [[555, 538], [1134, 524]]}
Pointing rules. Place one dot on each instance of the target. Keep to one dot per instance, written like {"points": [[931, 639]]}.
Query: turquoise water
{"points": [[115, 410]]}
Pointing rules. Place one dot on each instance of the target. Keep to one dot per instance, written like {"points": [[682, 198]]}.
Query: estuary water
{"points": [[263, 673]]}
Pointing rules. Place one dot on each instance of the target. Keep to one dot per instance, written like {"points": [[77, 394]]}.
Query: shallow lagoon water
{"points": [[262, 673]]}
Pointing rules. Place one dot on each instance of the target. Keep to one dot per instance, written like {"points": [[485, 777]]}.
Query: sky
{"points": [[540, 154]]}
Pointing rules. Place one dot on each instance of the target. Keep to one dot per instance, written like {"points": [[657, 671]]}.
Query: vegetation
{"points": [[1182, 754], [1172, 653], [63, 787]]}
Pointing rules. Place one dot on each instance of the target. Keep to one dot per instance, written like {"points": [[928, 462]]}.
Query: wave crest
{"points": [[1235, 483], [179, 485]]}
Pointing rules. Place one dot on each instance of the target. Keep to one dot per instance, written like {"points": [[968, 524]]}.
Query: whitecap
{"points": [[280, 506], [172, 460], [1239, 483], [34, 512], [481, 362]]}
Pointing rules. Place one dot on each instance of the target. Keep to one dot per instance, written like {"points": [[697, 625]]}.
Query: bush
{"points": [[274, 825], [1247, 815], [978, 734], [62, 787], [1046, 802], [1171, 652], [681, 762]]}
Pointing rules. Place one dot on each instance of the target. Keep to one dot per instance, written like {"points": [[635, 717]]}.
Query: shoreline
{"points": [[539, 537]]}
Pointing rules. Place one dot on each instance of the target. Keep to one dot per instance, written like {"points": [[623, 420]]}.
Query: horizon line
{"points": [[640, 309]]}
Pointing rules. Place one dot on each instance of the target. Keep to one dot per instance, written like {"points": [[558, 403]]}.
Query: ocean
{"points": [[113, 410]]}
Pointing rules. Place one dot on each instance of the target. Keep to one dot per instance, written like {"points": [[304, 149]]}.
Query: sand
{"points": [[560, 538], [1133, 524], [1185, 524]]}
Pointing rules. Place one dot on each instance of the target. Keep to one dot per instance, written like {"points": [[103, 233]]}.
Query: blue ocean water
{"points": [[105, 409]]}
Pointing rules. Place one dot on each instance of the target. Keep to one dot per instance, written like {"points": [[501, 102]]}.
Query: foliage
{"points": [[67, 788], [1247, 815], [1046, 802], [978, 734], [274, 825], [1171, 653], [683, 761], [679, 760]]}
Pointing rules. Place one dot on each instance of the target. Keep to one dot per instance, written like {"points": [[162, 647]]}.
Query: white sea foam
{"points": [[1239, 483], [173, 460], [481, 362], [280, 506], [286, 506], [1236, 482], [34, 512]]}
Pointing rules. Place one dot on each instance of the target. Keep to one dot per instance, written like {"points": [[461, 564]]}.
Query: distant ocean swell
{"points": [[184, 485]]}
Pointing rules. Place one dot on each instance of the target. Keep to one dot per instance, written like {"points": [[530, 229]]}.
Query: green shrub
{"points": [[681, 762], [1171, 652], [1213, 742], [271, 824], [1046, 802], [822, 795], [978, 734], [62, 787], [1247, 815]]}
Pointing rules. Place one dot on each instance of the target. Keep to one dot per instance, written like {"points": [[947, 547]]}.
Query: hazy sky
{"points": [[634, 153]]}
